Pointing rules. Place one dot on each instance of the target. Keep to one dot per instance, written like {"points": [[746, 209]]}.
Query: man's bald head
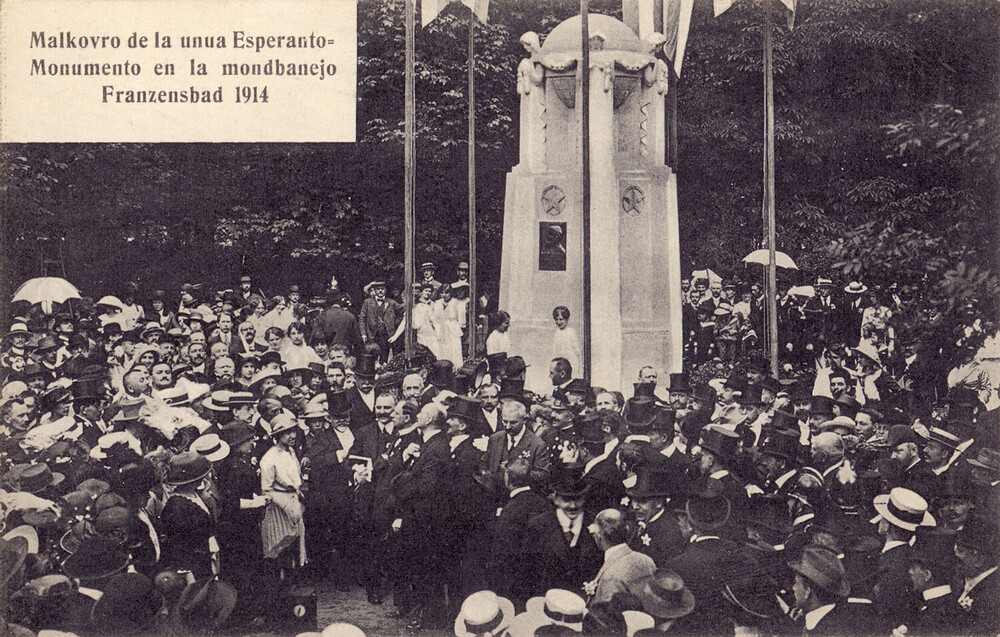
{"points": [[827, 447], [610, 528]]}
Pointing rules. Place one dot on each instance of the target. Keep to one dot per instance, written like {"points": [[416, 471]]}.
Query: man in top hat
{"points": [[752, 414], [779, 450], [88, 404], [362, 395], [715, 462], [679, 393], [821, 591], [516, 441], [379, 317], [564, 554], [622, 566], [591, 446], [659, 534], [900, 513]]}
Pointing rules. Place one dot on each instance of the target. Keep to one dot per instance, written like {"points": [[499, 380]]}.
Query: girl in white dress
{"points": [[447, 313], [424, 321], [565, 341]]}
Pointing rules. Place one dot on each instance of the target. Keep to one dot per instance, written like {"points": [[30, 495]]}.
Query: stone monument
{"points": [[635, 262]]}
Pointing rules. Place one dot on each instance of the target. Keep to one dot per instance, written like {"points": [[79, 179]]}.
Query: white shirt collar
{"points": [[973, 582], [517, 439], [782, 479], [701, 538], [891, 544], [718, 475], [608, 448], [427, 434], [519, 490], [573, 526], [656, 517], [814, 616]]}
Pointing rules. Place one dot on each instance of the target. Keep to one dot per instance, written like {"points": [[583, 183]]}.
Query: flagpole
{"points": [[473, 296], [585, 179], [408, 179], [769, 222]]}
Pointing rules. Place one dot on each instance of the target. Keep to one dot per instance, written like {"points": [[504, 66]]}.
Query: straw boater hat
{"points": [[483, 612], [903, 508], [210, 446], [559, 607]]}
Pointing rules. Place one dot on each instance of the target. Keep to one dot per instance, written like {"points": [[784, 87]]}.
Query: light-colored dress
{"points": [[566, 344], [283, 524], [426, 327], [449, 331]]}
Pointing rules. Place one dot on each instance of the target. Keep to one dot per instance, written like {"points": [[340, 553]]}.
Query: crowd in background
{"points": [[188, 462]]}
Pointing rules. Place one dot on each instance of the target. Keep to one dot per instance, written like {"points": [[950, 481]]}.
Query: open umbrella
{"points": [[781, 259], [706, 274], [46, 290]]}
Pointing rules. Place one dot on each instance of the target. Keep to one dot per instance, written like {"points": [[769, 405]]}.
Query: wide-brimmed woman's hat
{"points": [[483, 612], [97, 557], [130, 603], [187, 467]]}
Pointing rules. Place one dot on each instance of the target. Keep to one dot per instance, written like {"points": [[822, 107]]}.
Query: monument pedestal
{"points": [[635, 262]]}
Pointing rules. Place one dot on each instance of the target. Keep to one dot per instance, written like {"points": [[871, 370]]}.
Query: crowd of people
{"points": [[182, 464]]}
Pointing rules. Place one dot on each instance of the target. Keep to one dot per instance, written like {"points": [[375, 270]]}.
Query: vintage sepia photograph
{"points": [[500, 318]]}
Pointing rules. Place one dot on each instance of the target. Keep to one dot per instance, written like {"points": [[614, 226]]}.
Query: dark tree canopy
{"points": [[887, 146]]}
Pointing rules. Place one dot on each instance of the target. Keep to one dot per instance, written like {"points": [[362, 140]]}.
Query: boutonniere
{"points": [[965, 603], [625, 501], [645, 539], [590, 587]]}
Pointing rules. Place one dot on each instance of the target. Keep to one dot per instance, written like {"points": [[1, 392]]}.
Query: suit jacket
{"points": [[361, 414], [661, 539], [338, 326], [983, 613], [895, 600], [379, 322], [617, 573], [706, 566], [556, 564], [422, 490], [606, 488], [184, 529], [530, 447], [510, 569]]}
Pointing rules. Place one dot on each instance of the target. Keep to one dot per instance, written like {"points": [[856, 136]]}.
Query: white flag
{"points": [[721, 6], [480, 8], [430, 9]]}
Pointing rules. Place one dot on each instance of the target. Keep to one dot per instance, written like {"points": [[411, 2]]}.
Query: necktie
{"points": [[569, 536]]}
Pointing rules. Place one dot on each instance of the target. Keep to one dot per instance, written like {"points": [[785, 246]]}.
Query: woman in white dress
{"points": [[499, 341], [294, 351], [424, 322], [283, 526], [447, 314], [565, 341]]}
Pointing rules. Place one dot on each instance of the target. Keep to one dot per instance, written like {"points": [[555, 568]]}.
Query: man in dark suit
{"points": [[514, 441], [362, 395], [379, 318], [510, 569], [423, 495], [338, 327], [659, 534], [564, 553]]}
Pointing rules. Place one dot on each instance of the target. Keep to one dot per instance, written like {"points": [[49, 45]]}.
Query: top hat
{"points": [[441, 374], [663, 420], [823, 569], [784, 421], [470, 376], [679, 383], [821, 406], [468, 409], [903, 508], [569, 483], [708, 509], [720, 441], [706, 394], [663, 594], [513, 389], [643, 390], [97, 557], [737, 380], [588, 428], [651, 483], [417, 361], [339, 404], [639, 412], [187, 467], [495, 363], [781, 444], [577, 386]]}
